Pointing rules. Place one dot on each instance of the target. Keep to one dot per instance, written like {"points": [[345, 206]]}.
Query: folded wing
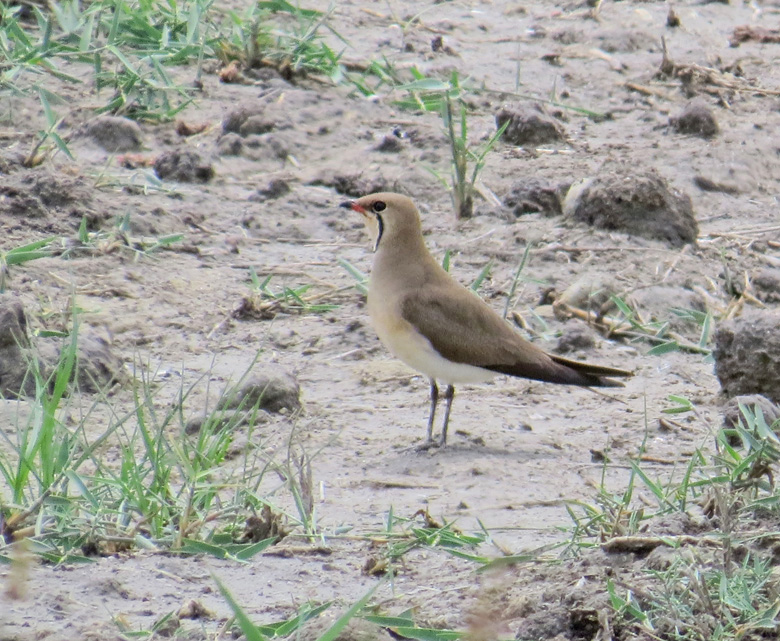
{"points": [[477, 336]]}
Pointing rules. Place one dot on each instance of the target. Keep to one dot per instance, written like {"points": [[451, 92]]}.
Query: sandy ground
{"points": [[518, 449]]}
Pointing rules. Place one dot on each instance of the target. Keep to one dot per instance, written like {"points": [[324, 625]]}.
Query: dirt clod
{"points": [[193, 609], [39, 193], [697, 120], [265, 146], [747, 354], [97, 365], [528, 126], [639, 204], [230, 144], [591, 291], [261, 124], [708, 184], [274, 189], [114, 134], [575, 337], [233, 121], [389, 144], [272, 389], [183, 165], [620, 40], [732, 414], [355, 185], [767, 285], [256, 119], [535, 195], [14, 344], [672, 19], [268, 524], [13, 323]]}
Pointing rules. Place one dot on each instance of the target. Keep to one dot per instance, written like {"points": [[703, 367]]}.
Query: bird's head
{"points": [[388, 217]]}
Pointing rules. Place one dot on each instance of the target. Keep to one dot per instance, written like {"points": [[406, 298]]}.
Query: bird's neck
{"points": [[404, 261]]}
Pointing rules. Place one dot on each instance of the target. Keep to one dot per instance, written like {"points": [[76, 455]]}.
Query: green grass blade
{"points": [[428, 634], [664, 348], [654, 487], [504, 561], [61, 144], [706, 330], [683, 405], [286, 628], [283, 6], [516, 279], [483, 274], [332, 633], [251, 632], [404, 628], [358, 275], [389, 621], [445, 262], [248, 551]]}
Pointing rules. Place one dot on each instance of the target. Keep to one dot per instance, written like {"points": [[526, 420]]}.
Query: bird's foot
{"points": [[429, 445]]}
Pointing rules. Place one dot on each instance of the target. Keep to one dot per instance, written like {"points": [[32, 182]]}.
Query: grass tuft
{"points": [[719, 583], [169, 489]]}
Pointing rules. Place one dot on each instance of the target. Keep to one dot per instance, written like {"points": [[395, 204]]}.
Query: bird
{"points": [[440, 328]]}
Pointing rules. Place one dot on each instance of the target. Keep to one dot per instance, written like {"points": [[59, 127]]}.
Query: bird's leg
{"points": [[434, 402], [449, 394]]}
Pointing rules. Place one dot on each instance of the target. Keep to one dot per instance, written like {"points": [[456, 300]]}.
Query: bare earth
{"points": [[518, 449]]}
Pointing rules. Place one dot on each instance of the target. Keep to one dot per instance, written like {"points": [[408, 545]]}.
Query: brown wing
{"points": [[474, 334]]}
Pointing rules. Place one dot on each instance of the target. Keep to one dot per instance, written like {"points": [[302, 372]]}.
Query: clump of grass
{"points": [[424, 93], [748, 451], [466, 163], [402, 535], [49, 141], [659, 333], [170, 490], [400, 626], [116, 238], [293, 625], [143, 91], [43, 451], [26, 50], [628, 322], [719, 585], [297, 50], [127, 47], [699, 600], [265, 303]]}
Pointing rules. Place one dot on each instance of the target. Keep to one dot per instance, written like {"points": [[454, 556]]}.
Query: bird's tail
{"points": [[594, 375]]}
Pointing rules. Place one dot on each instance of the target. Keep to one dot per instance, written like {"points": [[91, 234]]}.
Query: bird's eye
{"points": [[378, 206]]}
